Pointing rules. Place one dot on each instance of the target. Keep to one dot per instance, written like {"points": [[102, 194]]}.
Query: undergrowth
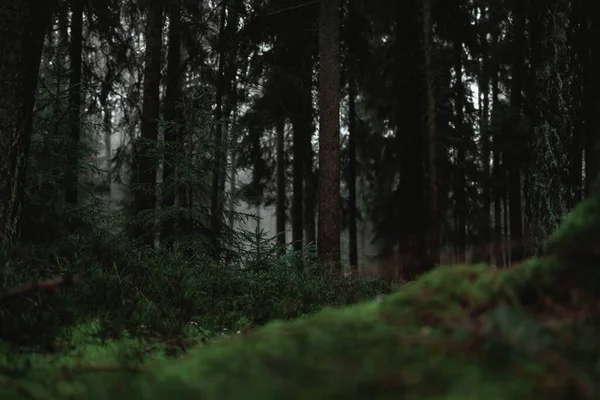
{"points": [[159, 292], [469, 332]]}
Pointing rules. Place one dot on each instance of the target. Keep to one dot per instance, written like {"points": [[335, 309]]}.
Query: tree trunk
{"points": [[75, 47], [172, 137], [230, 104], [352, 232], [514, 153], [298, 149], [592, 142], [409, 114], [497, 170], [310, 188], [145, 179], [216, 198], [434, 217], [486, 252], [461, 200], [23, 25], [329, 213], [281, 186]]}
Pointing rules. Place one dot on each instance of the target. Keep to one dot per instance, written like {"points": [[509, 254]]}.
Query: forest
{"points": [[261, 199]]}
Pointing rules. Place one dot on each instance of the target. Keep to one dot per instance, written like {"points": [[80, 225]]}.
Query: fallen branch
{"points": [[68, 373], [50, 286]]}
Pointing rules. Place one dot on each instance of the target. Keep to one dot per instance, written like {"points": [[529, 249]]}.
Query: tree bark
{"points": [[486, 252], [23, 25], [434, 217], [592, 141], [352, 231], [75, 47], [172, 137], [281, 186], [329, 212], [514, 154], [145, 165], [216, 198], [461, 200]]}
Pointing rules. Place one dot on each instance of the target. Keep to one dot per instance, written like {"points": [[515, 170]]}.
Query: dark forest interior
{"points": [[175, 175]]}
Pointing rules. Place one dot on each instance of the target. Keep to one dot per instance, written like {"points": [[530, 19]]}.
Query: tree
{"points": [[592, 145], [514, 154], [172, 130], [145, 165], [23, 25], [75, 47], [434, 229], [281, 183], [351, 66], [329, 212], [216, 197]]}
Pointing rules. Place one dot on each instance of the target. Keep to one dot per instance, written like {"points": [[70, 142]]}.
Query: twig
{"points": [[50, 286], [98, 368]]}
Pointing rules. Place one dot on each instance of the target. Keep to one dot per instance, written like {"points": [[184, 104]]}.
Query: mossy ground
{"points": [[471, 332]]}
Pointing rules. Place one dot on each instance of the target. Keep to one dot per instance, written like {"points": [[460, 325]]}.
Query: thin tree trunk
{"points": [[281, 186], [108, 149], [497, 170], [485, 145], [352, 233], [172, 139], [145, 195], [434, 217], [461, 201], [514, 157], [230, 107], [75, 47], [298, 154], [216, 198], [329, 213], [310, 193]]}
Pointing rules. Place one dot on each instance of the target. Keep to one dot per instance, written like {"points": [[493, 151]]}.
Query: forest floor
{"points": [[471, 332]]}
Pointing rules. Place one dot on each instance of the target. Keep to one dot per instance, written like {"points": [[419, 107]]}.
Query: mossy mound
{"points": [[528, 332]]}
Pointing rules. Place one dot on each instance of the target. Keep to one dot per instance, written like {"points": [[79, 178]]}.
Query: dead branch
{"points": [[49, 286]]}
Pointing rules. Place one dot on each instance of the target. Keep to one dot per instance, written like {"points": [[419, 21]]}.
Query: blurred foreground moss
{"points": [[528, 332]]}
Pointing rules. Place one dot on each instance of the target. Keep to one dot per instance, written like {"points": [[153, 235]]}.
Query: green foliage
{"points": [[162, 290], [465, 332]]}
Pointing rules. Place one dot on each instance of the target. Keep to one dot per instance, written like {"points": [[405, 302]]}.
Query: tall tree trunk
{"points": [[485, 143], [410, 138], [216, 198], [23, 27], [352, 232], [461, 200], [577, 149], [230, 103], [310, 185], [281, 186], [592, 142], [434, 217], [75, 47], [514, 153], [300, 134], [297, 185], [531, 218], [172, 139], [352, 32], [497, 168], [329, 213], [107, 127], [145, 179]]}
